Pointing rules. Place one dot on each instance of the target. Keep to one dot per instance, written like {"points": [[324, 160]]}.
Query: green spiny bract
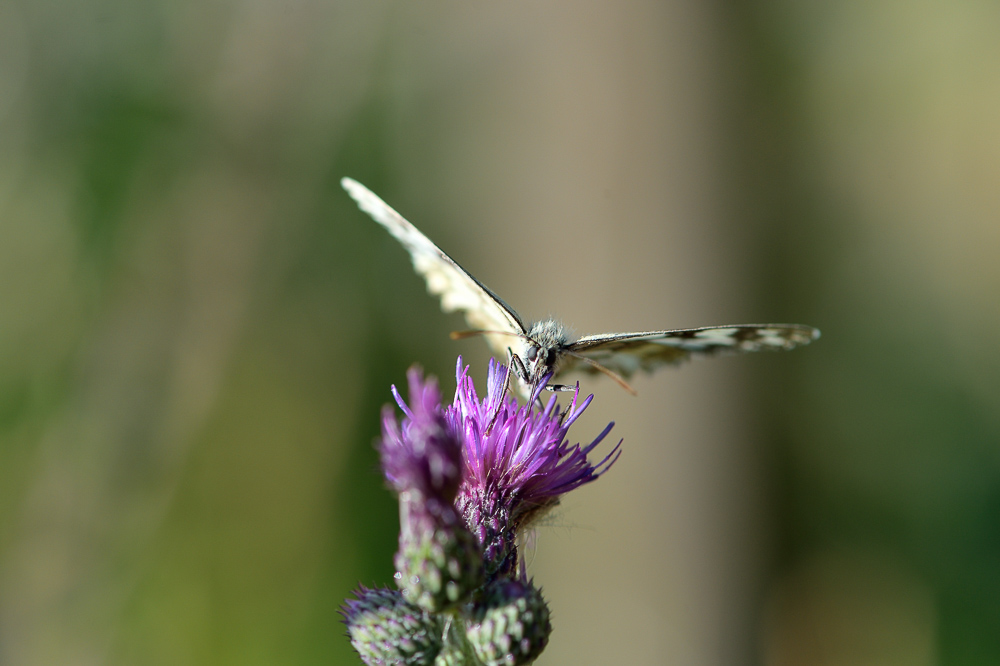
{"points": [[439, 563], [457, 652]]}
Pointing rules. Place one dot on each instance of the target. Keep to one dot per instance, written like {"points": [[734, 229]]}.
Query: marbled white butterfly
{"points": [[545, 347]]}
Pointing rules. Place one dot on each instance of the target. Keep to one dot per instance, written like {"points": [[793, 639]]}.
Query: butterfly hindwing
{"points": [[625, 353], [458, 289]]}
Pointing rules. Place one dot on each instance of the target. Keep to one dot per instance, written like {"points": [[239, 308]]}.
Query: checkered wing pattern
{"points": [[626, 353]]}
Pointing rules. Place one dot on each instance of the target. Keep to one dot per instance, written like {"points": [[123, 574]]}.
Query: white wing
{"points": [[458, 289], [625, 353]]}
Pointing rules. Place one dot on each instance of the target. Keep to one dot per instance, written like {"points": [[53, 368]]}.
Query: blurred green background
{"points": [[198, 328]]}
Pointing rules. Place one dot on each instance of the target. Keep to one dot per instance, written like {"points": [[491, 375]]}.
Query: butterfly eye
{"points": [[531, 353]]}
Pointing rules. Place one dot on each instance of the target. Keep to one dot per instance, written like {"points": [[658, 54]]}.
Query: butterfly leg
{"points": [[560, 387], [517, 365]]}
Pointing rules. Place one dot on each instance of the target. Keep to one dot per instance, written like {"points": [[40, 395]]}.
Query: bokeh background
{"points": [[198, 328]]}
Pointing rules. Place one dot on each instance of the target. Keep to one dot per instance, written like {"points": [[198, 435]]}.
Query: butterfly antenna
{"points": [[600, 368], [461, 335]]}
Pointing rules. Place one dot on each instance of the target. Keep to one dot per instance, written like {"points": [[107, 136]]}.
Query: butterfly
{"points": [[545, 349]]}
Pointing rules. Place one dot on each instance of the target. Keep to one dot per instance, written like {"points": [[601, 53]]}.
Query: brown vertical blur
{"points": [[198, 328]]}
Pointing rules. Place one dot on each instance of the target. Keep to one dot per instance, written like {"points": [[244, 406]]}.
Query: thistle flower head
{"points": [[421, 454], [517, 453], [518, 462], [514, 453]]}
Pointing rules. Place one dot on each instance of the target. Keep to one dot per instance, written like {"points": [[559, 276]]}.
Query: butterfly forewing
{"points": [[626, 353], [458, 289]]}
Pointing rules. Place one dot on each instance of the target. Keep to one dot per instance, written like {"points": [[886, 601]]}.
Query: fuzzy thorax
{"points": [[546, 340]]}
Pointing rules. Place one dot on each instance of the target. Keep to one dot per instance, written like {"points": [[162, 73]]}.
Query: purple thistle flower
{"points": [[508, 463], [517, 452], [517, 460]]}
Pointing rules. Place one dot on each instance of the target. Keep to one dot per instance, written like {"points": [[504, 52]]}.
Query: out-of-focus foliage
{"points": [[883, 154], [198, 329]]}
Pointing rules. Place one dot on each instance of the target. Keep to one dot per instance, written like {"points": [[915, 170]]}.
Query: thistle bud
{"points": [[386, 629], [510, 625]]}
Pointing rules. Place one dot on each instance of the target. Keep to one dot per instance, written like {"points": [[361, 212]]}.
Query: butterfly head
{"points": [[542, 349]]}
